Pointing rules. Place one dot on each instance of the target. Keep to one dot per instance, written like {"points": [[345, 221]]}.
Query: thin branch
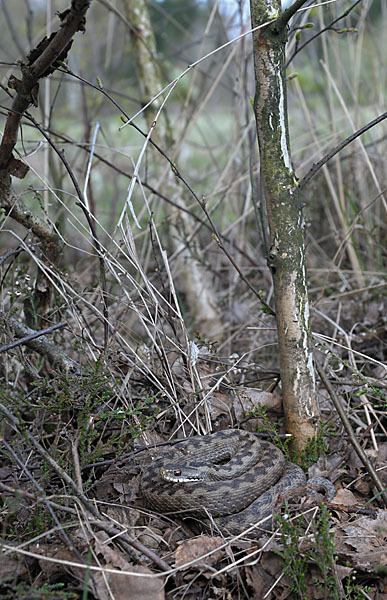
{"points": [[285, 17], [26, 88], [156, 193], [177, 173], [9, 254], [32, 336], [351, 434], [21, 214], [40, 344], [327, 28], [88, 504], [337, 149], [97, 245], [43, 64], [50, 509]]}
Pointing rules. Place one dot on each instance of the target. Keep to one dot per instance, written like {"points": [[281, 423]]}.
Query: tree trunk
{"points": [[286, 224], [195, 279]]}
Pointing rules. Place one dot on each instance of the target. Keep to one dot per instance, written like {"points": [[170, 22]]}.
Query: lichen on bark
{"points": [[286, 224]]}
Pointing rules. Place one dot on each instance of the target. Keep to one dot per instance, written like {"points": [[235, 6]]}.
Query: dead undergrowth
{"points": [[121, 372], [75, 443]]}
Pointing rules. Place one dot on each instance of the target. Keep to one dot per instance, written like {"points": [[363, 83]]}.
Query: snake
{"points": [[229, 476]]}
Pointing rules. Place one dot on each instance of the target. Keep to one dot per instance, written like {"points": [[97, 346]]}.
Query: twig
{"points": [[107, 527], [327, 28], [337, 149], [40, 343], [10, 253], [285, 17], [91, 508], [217, 236], [348, 428], [24, 216], [114, 531], [97, 245], [357, 510], [61, 472], [349, 452], [32, 336], [27, 86], [77, 465], [24, 468]]}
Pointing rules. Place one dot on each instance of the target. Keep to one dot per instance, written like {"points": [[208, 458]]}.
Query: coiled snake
{"points": [[230, 475]]}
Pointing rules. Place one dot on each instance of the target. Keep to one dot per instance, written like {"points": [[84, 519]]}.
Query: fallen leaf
{"points": [[345, 498], [194, 548], [11, 568], [247, 400], [364, 541], [125, 586]]}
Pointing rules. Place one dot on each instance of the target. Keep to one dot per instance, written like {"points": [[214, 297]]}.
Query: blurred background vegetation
{"points": [[143, 373], [337, 83]]}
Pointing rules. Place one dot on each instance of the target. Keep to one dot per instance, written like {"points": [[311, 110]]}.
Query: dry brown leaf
{"points": [[220, 404], [189, 550], [345, 498], [326, 464], [124, 587], [364, 540], [52, 570], [119, 480], [247, 400], [130, 587], [125, 515], [259, 580], [382, 454], [11, 568]]}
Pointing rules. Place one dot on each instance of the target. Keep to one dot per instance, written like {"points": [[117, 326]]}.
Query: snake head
{"points": [[175, 474]]}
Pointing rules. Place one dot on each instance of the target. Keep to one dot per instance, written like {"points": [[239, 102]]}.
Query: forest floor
{"points": [[75, 445]]}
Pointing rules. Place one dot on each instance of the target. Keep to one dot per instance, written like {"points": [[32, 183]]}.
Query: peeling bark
{"points": [[286, 224]]}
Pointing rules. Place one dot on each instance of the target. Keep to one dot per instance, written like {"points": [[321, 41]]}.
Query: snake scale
{"points": [[230, 475]]}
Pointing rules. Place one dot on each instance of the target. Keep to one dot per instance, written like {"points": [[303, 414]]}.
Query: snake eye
{"points": [[177, 472]]}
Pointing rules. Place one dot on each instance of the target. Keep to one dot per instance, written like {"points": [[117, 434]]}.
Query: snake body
{"points": [[230, 475]]}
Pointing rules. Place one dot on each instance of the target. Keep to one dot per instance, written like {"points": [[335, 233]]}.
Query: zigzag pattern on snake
{"points": [[230, 475]]}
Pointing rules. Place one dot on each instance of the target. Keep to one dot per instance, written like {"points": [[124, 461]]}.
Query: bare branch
{"points": [[32, 336], [285, 17], [27, 87], [327, 28], [317, 166], [42, 345], [24, 216]]}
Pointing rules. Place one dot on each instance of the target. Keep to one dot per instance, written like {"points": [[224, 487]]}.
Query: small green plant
{"points": [[296, 560], [354, 591], [323, 555], [271, 428], [315, 448], [46, 591]]}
